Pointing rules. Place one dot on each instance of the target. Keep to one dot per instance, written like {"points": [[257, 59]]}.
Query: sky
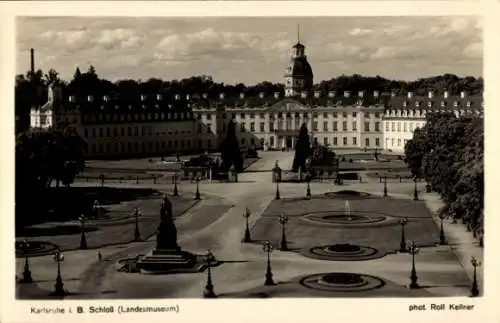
{"points": [[250, 50]]}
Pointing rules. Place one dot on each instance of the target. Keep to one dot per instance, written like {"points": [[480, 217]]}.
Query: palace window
{"points": [[136, 131], [315, 125], [242, 127], [344, 141], [387, 126], [325, 125], [242, 115], [354, 114], [367, 126], [344, 125], [367, 142], [399, 142], [252, 127], [335, 143], [101, 132], [354, 141], [377, 115], [271, 126], [393, 126], [325, 141], [399, 126], [93, 133], [404, 127], [377, 142], [335, 114], [344, 114], [262, 127], [377, 126], [262, 115], [335, 126], [325, 115], [209, 128], [354, 126]]}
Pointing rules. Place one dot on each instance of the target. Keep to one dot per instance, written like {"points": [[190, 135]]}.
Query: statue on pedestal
{"points": [[166, 238]]}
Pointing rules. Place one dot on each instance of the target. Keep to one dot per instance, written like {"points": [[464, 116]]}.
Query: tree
{"points": [[230, 150], [302, 150]]}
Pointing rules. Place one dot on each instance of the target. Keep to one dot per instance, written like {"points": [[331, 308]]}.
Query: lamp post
{"points": [[308, 190], [197, 195], [474, 292], [267, 247], [277, 191], [402, 245], [208, 292], [385, 186], [137, 234], [442, 240], [24, 245], [96, 208], [413, 277], [415, 192], [176, 191], [283, 220], [246, 215], [59, 286], [83, 239]]}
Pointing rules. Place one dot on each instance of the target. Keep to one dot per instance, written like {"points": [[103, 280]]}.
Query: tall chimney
{"points": [[32, 61]]}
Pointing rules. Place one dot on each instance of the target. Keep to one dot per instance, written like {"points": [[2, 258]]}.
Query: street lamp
{"points": [[402, 245], [208, 292], [267, 247], [59, 286], [385, 186], [24, 245], [176, 191], [413, 250], [474, 292], [246, 215], [277, 190], [83, 239], [308, 191], [197, 195], [283, 220], [415, 192], [96, 208], [442, 240], [137, 234]]}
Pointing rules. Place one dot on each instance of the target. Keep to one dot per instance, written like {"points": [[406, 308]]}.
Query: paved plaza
{"points": [[216, 223]]}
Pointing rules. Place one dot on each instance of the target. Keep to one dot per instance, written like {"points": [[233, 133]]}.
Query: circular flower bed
{"points": [[35, 248], [342, 282]]}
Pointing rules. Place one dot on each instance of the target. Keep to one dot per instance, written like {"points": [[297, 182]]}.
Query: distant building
{"points": [[155, 125]]}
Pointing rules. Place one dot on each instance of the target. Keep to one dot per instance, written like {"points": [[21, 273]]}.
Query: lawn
{"points": [[302, 234]]}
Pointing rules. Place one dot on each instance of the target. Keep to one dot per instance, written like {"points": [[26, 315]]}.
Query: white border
{"points": [[290, 310]]}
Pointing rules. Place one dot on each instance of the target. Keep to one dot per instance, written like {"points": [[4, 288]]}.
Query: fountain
{"points": [[348, 210]]}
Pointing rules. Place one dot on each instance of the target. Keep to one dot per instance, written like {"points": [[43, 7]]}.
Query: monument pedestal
{"points": [[169, 261]]}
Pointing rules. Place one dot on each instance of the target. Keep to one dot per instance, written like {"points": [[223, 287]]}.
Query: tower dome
{"points": [[298, 74]]}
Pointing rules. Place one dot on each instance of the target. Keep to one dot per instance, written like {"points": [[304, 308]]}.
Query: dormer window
{"points": [[204, 95], [221, 96], [143, 97], [102, 107], [159, 97], [90, 98], [455, 104], [417, 104], [242, 95], [106, 98], [404, 104], [130, 107], [261, 95], [331, 94], [72, 99], [469, 104], [144, 106], [359, 102], [443, 104], [117, 107], [429, 104], [170, 106]]}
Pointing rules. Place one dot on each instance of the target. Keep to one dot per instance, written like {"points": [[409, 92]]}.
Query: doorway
{"points": [[289, 142]]}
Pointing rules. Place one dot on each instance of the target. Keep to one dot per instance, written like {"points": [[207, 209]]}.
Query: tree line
{"points": [[448, 153]]}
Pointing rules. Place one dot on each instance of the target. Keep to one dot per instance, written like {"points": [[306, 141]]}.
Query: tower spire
{"points": [[298, 33]]}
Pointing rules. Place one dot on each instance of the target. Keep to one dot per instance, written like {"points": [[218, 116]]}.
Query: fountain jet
{"points": [[348, 210]]}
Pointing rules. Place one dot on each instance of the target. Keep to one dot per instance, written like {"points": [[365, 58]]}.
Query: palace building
{"points": [[158, 125]]}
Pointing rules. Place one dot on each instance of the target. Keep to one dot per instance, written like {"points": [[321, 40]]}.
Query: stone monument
{"points": [[168, 256]]}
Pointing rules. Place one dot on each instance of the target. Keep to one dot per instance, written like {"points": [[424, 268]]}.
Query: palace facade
{"points": [[158, 125]]}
